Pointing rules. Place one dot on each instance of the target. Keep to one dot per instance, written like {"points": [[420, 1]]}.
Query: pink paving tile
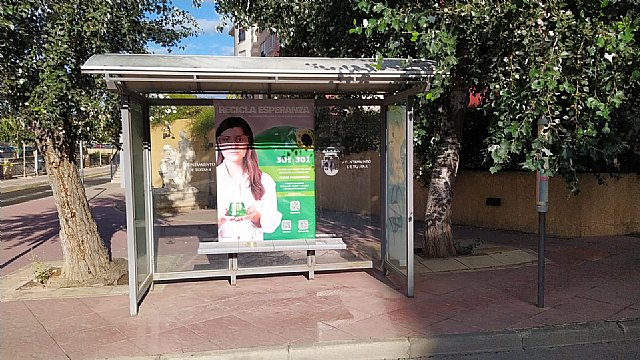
{"points": [[53, 310], [350, 317], [177, 340], [90, 337], [14, 313], [377, 327], [109, 304], [333, 313], [232, 332], [142, 325], [123, 348], [441, 306], [329, 333], [489, 320], [628, 313], [526, 324], [595, 310], [27, 338], [320, 333], [413, 319], [194, 314], [614, 292], [76, 323], [449, 326], [555, 317], [293, 328], [439, 285]]}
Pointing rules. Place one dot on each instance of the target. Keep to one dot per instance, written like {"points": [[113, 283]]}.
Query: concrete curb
{"points": [[446, 344]]}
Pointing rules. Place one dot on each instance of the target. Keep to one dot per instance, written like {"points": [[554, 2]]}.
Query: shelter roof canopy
{"points": [[148, 73]]}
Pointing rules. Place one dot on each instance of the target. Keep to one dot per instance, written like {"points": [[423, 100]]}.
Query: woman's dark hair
{"points": [[250, 160]]}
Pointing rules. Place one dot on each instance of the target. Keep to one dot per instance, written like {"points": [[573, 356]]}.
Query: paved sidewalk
{"points": [[20, 183], [592, 295]]}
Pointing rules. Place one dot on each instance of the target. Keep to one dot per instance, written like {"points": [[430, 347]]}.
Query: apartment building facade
{"points": [[254, 42]]}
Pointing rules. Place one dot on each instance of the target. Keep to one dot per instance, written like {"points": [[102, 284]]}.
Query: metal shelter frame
{"points": [[390, 84]]}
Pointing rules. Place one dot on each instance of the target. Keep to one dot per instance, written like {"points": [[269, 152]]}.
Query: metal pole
{"points": [[541, 218], [35, 160], [24, 160], [542, 206]]}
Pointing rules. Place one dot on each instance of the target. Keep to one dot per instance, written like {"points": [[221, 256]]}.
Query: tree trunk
{"points": [[85, 256], [438, 239]]}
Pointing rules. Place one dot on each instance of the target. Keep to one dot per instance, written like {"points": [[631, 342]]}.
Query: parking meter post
{"points": [[542, 198]]}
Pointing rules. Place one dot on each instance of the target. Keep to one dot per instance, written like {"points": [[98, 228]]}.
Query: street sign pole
{"points": [[542, 199]]}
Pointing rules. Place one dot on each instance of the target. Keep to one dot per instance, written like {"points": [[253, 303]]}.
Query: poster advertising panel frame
{"points": [[265, 169]]}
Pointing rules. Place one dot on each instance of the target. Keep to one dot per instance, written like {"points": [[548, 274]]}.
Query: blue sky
{"points": [[210, 41]]}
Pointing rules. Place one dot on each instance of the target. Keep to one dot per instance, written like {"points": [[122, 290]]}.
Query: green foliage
{"points": [[44, 43], [574, 62], [42, 272], [348, 129], [167, 114], [467, 249], [201, 124]]}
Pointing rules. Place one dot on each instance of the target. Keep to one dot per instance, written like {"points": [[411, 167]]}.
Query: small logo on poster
{"points": [[303, 225], [286, 225], [294, 205]]}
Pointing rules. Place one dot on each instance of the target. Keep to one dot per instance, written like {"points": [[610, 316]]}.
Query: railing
{"points": [[21, 167], [115, 163]]}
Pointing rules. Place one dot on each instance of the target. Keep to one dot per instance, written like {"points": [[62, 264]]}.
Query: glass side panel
{"points": [[396, 192], [183, 180], [346, 158], [348, 180], [138, 184]]}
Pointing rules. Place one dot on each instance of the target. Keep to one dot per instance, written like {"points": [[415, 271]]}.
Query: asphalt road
{"points": [[41, 191], [611, 350]]}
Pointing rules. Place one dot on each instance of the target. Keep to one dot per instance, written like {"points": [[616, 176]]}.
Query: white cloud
{"points": [[210, 26]]}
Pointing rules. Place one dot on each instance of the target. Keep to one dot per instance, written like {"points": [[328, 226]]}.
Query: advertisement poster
{"points": [[265, 170]]}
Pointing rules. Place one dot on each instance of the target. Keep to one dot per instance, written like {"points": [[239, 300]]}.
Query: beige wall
{"points": [[613, 209], [199, 179], [598, 210], [350, 190]]}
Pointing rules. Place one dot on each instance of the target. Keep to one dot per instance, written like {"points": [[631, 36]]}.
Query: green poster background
{"points": [[290, 163], [284, 143]]}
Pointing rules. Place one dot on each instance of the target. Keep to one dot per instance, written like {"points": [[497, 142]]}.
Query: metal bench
{"points": [[233, 248]]}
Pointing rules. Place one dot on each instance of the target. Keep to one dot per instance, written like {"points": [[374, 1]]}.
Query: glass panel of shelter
{"points": [[136, 136], [183, 178]]}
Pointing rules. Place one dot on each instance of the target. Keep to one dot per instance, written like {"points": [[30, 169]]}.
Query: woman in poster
{"points": [[247, 204]]}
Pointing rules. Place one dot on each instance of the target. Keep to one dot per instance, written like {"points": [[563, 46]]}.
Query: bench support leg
{"points": [[233, 267], [311, 263]]}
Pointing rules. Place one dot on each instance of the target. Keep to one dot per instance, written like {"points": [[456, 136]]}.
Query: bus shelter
{"points": [[179, 244]]}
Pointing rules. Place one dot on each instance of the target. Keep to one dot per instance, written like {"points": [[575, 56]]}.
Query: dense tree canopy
{"points": [[43, 44], [576, 63]]}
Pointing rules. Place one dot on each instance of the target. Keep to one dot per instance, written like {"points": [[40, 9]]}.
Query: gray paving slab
{"points": [[514, 257], [477, 262], [438, 265]]}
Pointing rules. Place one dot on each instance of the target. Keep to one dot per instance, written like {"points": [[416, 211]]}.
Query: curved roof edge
{"points": [[145, 73]]}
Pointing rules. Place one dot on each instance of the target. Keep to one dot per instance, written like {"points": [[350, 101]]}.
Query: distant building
{"points": [[254, 42]]}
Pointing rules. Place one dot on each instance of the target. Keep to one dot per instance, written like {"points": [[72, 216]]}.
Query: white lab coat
{"points": [[230, 191]]}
